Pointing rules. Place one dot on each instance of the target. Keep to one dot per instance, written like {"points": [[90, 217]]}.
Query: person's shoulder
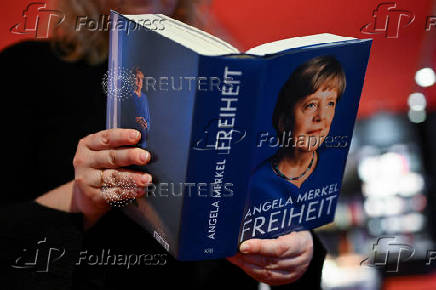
{"points": [[35, 58], [28, 44], [27, 50]]}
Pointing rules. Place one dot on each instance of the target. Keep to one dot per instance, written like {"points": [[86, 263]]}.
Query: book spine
{"points": [[219, 163], [112, 85]]}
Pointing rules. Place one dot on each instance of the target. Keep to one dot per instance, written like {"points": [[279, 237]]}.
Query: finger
{"points": [[271, 277], [234, 260], [257, 272], [272, 263], [93, 196], [267, 247], [121, 157], [263, 274], [288, 264], [89, 177], [123, 177], [115, 194], [112, 138], [288, 245], [255, 259]]}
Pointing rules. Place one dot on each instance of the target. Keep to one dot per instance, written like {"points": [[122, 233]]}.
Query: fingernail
{"points": [[139, 191], [244, 248], [144, 156], [145, 178], [134, 135]]}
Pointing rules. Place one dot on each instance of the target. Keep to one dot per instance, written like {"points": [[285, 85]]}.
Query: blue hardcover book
{"points": [[244, 145]]}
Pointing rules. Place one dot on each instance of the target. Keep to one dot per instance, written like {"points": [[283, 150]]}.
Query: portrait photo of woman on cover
{"points": [[302, 117]]}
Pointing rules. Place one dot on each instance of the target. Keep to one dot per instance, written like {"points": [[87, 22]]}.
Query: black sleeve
{"points": [[19, 127], [40, 246], [311, 279]]}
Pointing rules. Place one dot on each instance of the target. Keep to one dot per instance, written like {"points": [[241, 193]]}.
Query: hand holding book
{"points": [[276, 261], [100, 180]]}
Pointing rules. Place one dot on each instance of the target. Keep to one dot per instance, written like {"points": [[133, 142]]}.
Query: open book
{"points": [[244, 145]]}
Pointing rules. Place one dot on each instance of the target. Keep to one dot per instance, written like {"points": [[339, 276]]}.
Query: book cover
{"points": [[244, 145]]}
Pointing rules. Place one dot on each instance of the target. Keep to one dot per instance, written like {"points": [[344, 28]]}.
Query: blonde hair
{"points": [[92, 46]]}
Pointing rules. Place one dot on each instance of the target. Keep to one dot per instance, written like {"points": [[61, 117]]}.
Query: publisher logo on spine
{"points": [[161, 240]]}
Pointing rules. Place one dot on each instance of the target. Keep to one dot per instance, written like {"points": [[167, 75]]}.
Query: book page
{"points": [[207, 44], [186, 35], [294, 42]]}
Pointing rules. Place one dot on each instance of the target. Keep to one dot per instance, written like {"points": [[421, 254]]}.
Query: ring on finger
{"points": [[103, 183]]}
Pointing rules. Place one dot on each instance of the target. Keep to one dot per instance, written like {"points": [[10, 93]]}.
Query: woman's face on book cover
{"points": [[313, 117], [139, 79]]}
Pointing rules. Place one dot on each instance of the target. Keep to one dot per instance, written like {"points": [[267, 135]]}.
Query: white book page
{"points": [[207, 44], [186, 35], [280, 45]]}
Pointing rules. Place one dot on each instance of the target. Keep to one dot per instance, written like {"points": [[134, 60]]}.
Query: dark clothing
{"points": [[52, 104]]}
